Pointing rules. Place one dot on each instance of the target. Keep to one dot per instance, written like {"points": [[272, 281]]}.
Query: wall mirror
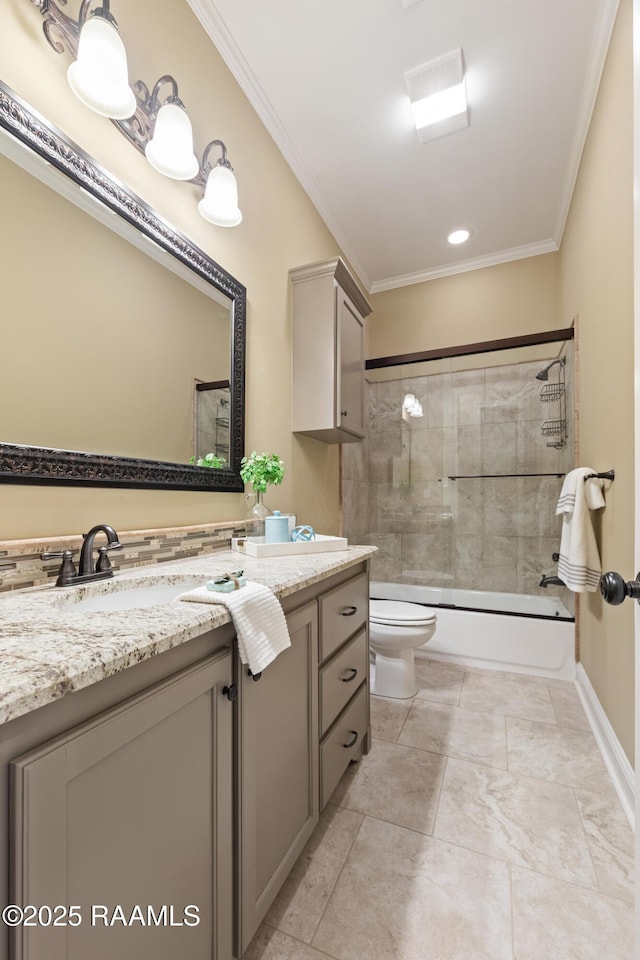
{"points": [[111, 320]]}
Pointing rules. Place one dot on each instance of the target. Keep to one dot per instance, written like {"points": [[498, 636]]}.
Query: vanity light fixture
{"points": [[99, 75], [159, 128], [170, 150]]}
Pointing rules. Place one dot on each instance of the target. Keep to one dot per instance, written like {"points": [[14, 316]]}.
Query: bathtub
{"points": [[498, 631]]}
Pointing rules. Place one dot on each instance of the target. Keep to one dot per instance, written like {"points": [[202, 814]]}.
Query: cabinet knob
{"points": [[354, 737], [231, 692], [614, 589], [254, 676], [348, 611], [343, 413], [353, 674]]}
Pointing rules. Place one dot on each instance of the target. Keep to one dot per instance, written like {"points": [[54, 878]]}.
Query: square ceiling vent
{"points": [[438, 96]]}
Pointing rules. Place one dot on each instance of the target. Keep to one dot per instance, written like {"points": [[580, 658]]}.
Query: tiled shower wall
{"points": [[494, 534]]}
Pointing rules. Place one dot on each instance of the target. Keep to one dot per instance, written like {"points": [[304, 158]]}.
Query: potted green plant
{"points": [[261, 470], [209, 460]]}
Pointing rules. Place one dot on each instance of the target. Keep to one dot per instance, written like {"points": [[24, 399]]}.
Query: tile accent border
{"points": [[616, 762], [21, 564]]}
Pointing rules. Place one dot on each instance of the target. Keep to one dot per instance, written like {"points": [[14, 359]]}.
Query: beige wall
{"points": [[502, 301], [596, 284], [281, 229]]}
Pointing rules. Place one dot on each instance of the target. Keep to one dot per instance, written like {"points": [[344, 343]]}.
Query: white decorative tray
{"points": [[256, 547]]}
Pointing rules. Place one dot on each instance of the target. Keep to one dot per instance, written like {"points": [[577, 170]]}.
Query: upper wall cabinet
{"points": [[328, 352]]}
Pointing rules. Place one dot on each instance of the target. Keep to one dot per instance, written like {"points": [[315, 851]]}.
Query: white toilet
{"points": [[396, 628]]}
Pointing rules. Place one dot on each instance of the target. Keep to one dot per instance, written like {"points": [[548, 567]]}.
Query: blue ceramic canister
{"points": [[276, 528]]}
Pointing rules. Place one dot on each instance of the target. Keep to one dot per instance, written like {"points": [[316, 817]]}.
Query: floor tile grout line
{"points": [[413, 700], [512, 906], [437, 807], [308, 946], [487, 856], [339, 873], [590, 849]]}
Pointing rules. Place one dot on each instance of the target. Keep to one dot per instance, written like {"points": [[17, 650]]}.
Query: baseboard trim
{"points": [[616, 762]]}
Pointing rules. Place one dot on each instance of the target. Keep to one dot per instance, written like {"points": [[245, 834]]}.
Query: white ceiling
{"points": [[327, 79]]}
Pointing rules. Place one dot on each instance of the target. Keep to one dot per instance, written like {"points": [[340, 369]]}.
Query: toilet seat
{"points": [[399, 613]]}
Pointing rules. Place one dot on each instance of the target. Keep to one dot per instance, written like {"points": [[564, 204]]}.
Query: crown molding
{"points": [[221, 37], [597, 60], [464, 266]]}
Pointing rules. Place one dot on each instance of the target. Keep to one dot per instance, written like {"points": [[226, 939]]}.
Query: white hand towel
{"points": [[257, 615], [579, 565]]}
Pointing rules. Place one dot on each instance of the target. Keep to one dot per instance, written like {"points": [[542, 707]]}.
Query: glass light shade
{"points": [[99, 77], [220, 202], [170, 151]]}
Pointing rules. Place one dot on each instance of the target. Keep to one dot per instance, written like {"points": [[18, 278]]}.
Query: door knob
{"points": [[614, 589]]}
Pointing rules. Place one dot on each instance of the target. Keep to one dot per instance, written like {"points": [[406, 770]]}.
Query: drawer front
{"points": [[341, 677], [342, 611], [343, 744]]}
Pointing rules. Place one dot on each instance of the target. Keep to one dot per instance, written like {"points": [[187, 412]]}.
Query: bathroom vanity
{"points": [[157, 793]]}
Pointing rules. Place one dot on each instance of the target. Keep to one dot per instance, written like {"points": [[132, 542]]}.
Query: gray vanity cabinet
{"points": [[343, 680], [277, 767], [131, 808]]}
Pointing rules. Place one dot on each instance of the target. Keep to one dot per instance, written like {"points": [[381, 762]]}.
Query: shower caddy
{"points": [[556, 429]]}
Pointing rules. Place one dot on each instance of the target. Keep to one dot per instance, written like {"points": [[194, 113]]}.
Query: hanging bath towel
{"points": [[259, 620], [579, 565]]}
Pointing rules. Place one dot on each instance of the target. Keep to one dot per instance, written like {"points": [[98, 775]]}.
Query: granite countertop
{"points": [[48, 649]]}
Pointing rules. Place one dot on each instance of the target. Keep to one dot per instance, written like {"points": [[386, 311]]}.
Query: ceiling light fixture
{"points": [[160, 129], [458, 236], [438, 96]]}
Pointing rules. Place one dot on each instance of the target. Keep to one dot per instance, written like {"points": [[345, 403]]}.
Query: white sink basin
{"points": [[134, 597]]}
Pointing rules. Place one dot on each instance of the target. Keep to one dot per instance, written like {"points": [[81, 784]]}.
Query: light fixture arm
{"points": [[153, 104], [205, 166], [62, 33]]}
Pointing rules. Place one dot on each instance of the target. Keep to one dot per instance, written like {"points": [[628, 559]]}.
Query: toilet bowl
{"points": [[396, 628]]}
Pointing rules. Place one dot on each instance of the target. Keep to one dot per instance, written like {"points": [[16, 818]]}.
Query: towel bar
{"points": [[607, 475]]}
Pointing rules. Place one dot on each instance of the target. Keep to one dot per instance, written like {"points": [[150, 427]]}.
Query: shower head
{"points": [[544, 374]]}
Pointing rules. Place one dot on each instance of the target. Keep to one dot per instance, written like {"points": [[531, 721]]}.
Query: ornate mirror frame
{"points": [[35, 465]]}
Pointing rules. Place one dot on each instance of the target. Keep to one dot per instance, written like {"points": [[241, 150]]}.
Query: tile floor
{"points": [[481, 826]]}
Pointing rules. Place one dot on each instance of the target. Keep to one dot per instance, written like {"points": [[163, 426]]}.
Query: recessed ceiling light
{"points": [[459, 236]]}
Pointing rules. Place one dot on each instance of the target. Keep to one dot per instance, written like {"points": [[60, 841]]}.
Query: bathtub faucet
{"points": [[551, 581]]}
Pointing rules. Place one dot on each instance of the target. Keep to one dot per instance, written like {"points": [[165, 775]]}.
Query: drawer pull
{"points": [[351, 742], [348, 611], [354, 673]]}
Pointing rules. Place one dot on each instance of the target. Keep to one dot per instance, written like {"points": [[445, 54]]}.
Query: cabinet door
{"points": [[278, 802], [132, 810], [350, 366]]}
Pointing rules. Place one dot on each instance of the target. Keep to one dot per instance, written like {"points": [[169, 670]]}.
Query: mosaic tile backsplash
{"points": [[21, 564]]}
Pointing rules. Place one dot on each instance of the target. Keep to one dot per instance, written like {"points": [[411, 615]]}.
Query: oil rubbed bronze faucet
{"points": [[102, 570]]}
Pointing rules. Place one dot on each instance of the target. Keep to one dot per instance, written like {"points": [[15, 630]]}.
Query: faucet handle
{"points": [[67, 569], [103, 562]]}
